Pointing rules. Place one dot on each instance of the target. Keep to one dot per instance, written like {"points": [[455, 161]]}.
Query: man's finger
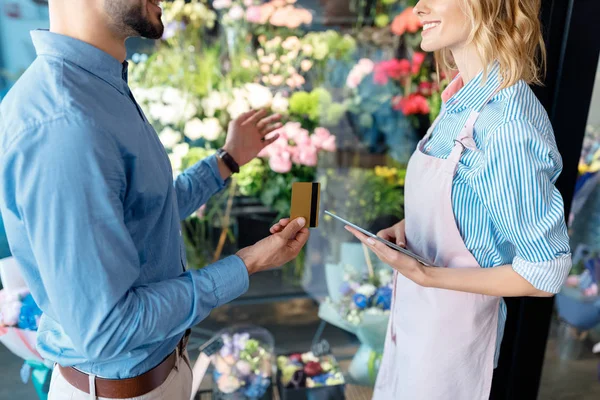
{"points": [[271, 128], [253, 119], [243, 117], [280, 225], [290, 231], [267, 142], [301, 239], [267, 121]]}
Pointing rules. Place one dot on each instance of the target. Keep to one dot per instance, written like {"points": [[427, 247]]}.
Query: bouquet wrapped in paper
{"points": [[361, 305], [19, 318]]}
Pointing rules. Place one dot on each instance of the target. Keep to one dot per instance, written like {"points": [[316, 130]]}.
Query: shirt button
{"points": [[428, 149]]}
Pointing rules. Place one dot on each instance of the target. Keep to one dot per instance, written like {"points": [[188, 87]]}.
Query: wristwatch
{"points": [[233, 166]]}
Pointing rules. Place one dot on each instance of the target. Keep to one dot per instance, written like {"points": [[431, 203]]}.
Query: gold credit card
{"points": [[305, 202]]}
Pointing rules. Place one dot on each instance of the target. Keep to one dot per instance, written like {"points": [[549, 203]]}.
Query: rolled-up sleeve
{"points": [[516, 185]]}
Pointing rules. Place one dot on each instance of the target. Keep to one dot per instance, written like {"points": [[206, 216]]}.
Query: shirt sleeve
{"points": [[197, 184], [67, 180], [516, 186]]}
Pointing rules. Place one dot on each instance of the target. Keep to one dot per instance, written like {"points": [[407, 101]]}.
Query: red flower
{"points": [[405, 21], [413, 104], [417, 61], [426, 88], [395, 69], [379, 76]]}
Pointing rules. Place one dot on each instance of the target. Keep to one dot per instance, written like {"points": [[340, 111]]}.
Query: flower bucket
{"points": [[243, 367]]}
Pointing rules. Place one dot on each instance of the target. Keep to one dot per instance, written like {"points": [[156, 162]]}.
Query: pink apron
{"points": [[440, 343]]}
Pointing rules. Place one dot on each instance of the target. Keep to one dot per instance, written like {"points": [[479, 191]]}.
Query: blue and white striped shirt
{"points": [[507, 208]]}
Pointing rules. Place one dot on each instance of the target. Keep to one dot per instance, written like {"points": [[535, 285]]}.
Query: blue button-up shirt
{"points": [[93, 216]]}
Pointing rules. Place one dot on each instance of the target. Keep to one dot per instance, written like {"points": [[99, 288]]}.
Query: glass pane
{"points": [[571, 368], [356, 94]]}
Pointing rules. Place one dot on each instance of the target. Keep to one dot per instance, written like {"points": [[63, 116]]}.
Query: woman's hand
{"points": [[407, 266], [394, 234]]}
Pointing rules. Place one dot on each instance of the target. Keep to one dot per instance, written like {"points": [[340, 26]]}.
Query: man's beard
{"points": [[133, 20]]}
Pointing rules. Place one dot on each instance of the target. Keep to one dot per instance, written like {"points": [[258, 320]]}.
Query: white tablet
{"points": [[389, 244]]}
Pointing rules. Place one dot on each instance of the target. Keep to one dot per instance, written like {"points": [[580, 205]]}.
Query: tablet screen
{"points": [[389, 244]]}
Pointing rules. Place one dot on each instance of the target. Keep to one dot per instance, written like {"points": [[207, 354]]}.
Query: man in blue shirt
{"points": [[93, 216]]}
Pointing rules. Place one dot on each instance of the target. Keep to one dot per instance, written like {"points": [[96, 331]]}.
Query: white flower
{"points": [[237, 107], [307, 49], [385, 277], [188, 111], [221, 4], [194, 129], [215, 101], [367, 290], [172, 96], [280, 104], [181, 149], [176, 163], [236, 13], [169, 138], [165, 114], [374, 311], [212, 129], [259, 96], [306, 65]]}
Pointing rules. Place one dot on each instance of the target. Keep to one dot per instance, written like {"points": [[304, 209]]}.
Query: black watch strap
{"points": [[233, 166]]}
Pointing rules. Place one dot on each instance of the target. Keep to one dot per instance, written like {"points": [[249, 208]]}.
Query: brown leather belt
{"points": [[130, 387]]}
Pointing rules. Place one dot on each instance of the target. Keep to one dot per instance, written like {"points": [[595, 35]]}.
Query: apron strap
{"points": [[465, 140]]}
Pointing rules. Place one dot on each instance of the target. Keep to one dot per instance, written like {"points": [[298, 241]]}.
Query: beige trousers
{"points": [[178, 386]]}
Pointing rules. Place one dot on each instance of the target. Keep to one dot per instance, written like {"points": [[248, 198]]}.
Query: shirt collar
{"points": [[475, 94], [83, 54]]}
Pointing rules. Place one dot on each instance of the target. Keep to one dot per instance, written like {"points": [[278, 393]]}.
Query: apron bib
{"points": [[440, 343]]}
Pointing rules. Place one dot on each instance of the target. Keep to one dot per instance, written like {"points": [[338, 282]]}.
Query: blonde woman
{"points": [[480, 203]]}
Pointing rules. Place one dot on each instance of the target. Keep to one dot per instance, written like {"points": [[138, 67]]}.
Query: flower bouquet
{"points": [[243, 367], [19, 318], [362, 307], [307, 375]]}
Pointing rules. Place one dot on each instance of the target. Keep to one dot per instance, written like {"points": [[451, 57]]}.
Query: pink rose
{"points": [[366, 65], [254, 14], [354, 79], [324, 140], [306, 155], [266, 10], [280, 164]]}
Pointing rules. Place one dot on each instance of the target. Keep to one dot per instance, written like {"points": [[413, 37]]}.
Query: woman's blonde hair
{"points": [[507, 31]]}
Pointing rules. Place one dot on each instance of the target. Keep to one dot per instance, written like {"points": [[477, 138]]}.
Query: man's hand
{"points": [[246, 136], [394, 234], [277, 249]]}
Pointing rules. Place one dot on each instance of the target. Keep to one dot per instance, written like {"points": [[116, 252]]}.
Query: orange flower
{"points": [[406, 21]]}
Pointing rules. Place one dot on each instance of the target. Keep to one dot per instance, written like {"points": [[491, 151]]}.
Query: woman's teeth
{"points": [[430, 25]]}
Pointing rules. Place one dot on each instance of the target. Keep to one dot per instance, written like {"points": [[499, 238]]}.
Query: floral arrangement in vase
{"points": [[363, 293], [243, 366]]}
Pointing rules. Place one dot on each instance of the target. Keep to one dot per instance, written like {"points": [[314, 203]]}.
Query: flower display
{"points": [[219, 59], [243, 365], [305, 370], [296, 146]]}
